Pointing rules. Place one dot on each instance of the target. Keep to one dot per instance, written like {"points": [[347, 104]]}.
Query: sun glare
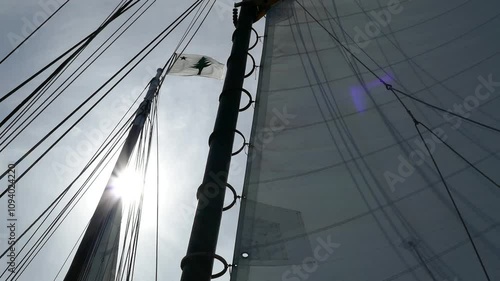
{"points": [[128, 185]]}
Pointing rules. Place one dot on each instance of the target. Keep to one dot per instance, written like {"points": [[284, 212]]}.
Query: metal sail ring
{"points": [[256, 39], [215, 133], [235, 197], [253, 67], [242, 146], [202, 254], [250, 99]]}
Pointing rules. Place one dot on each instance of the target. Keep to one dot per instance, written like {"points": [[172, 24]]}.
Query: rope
{"points": [[389, 87], [33, 32]]}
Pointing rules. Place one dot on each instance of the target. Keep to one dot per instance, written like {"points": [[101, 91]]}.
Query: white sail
{"points": [[340, 185]]}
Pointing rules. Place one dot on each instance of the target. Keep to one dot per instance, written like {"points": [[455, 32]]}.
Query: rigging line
{"points": [[444, 142], [61, 66], [148, 136], [118, 135], [407, 225], [50, 231], [94, 157], [127, 262], [462, 157], [453, 202], [447, 111], [59, 223], [63, 213], [170, 63], [412, 63], [33, 252], [33, 32], [173, 58], [57, 219], [63, 193], [198, 28], [381, 80], [47, 86], [343, 129], [72, 250], [93, 34], [341, 44], [74, 79], [386, 72], [134, 218], [174, 24], [191, 24], [390, 88], [157, 188], [5, 133]]}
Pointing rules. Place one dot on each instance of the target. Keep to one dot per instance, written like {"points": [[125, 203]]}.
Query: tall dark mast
{"points": [[99, 246], [197, 264]]}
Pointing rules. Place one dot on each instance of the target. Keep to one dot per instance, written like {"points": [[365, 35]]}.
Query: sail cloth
{"points": [[340, 186], [197, 65]]}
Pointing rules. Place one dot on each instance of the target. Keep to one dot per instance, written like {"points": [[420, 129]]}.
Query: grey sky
{"points": [[186, 114]]}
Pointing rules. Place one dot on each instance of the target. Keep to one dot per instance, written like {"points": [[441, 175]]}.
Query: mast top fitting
{"points": [[262, 6]]}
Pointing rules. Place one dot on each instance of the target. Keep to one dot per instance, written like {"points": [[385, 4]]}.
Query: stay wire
{"points": [[53, 62], [141, 159], [416, 123], [387, 85], [461, 157], [113, 142], [33, 32], [72, 250], [25, 125], [52, 81], [447, 111], [481, 262], [12, 135], [91, 161], [173, 25], [59, 219], [44, 235], [157, 192], [176, 57], [48, 233], [59, 68]]}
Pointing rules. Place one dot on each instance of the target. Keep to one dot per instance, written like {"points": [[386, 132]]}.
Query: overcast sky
{"points": [[186, 116]]}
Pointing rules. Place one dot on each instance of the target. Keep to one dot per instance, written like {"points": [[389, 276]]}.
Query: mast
{"points": [[198, 262], [101, 238]]}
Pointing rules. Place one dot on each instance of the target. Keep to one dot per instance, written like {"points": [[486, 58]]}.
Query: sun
{"points": [[128, 185]]}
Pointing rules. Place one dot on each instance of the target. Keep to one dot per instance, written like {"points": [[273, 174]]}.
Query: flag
{"points": [[197, 65]]}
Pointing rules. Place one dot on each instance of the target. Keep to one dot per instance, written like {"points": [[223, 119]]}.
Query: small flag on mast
{"points": [[197, 65]]}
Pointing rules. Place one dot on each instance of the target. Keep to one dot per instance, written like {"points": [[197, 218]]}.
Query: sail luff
{"points": [[340, 185], [99, 246]]}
